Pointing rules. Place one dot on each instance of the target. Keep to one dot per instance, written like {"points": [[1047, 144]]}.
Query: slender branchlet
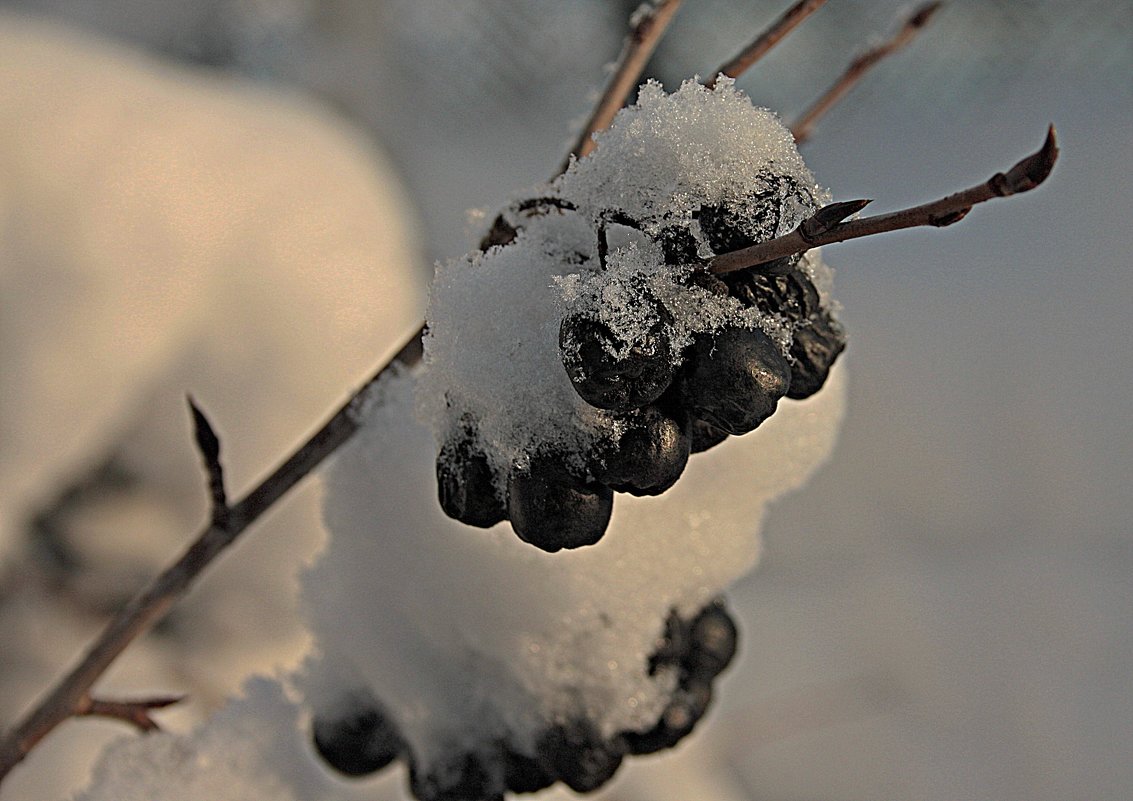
{"points": [[803, 127], [136, 712], [762, 44], [826, 226], [646, 29]]}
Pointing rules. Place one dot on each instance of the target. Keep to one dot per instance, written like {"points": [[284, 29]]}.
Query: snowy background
{"points": [[944, 611]]}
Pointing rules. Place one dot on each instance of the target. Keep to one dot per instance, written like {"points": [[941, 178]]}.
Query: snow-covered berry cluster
{"points": [[582, 350]]}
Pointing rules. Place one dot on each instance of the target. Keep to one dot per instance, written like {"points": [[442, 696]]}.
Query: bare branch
{"points": [[71, 695], [804, 125], [645, 32], [825, 226], [135, 713], [791, 19], [209, 445]]}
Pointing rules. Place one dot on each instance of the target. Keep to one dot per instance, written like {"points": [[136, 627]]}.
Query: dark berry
{"points": [[791, 295], [683, 712], [524, 774], [464, 778], [362, 742], [552, 509], [713, 636], [703, 435], [578, 755], [611, 371], [760, 216], [733, 379], [647, 458], [672, 645], [465, 482], [817, 344]]}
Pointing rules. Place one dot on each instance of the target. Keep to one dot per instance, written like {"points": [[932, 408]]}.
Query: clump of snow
{"points": [[669, 154], [252, 750], [471, 639]]}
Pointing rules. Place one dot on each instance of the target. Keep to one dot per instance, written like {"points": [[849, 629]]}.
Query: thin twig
{"points": [[826, 227], [804, 125], [646, 29], [136, 713], [790, 19], [70, 696]]}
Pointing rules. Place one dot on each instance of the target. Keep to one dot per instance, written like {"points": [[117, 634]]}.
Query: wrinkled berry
{"points": [[552, 510], [620, 383], [817, 344], [362, 742], [733, 379], [524, 774], [703, 435], [647, 458], [465, 482]]}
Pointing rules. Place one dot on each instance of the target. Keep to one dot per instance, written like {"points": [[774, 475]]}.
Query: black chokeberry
{"points": [[524, 774], [791, 295], [817, 344], [714, 638], [756, 218], [552, 509], [647, 458], [702, 435], [579, 756], [465, 482], [733, 379], [685, 709], [616, 371], [462, 778], [361, 742]]}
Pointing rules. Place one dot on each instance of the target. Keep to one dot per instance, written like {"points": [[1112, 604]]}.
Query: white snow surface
{"points": [[251, 750]]}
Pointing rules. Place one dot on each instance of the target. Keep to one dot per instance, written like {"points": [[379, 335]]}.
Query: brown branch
{"points": [[804, 125], [826, 227], [71, 695], [135, 713], [646, 29], [790, 19]]}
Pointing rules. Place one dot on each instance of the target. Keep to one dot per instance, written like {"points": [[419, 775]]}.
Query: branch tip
{"points": [[135, 713], [207, 441], [1031, 171], [209, 445], [923, 14]]}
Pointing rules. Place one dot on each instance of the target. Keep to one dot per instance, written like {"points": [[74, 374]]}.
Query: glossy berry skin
{"points": [[465, 482], [617, 383], [733, 380], [647, 458], [363, 742], [552, 510], [713, 640]]}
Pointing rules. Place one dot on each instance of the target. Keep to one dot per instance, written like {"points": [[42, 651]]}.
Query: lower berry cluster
{"points": [[364, 738]]}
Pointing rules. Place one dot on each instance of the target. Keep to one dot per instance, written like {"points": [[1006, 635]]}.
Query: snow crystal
{"points": [[472, 638], [252, 750]]}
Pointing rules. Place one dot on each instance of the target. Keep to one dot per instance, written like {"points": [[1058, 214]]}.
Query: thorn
{"points": [[829, 216], [209, 445]]}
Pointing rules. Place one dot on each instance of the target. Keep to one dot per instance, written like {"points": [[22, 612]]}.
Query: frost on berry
{"points": [[572, 365]]}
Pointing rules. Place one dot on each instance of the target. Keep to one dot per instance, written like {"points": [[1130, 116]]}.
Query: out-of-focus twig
{"points": [[826, 227], [136, 713], [804, 125], [762, 44], [646, 29]]}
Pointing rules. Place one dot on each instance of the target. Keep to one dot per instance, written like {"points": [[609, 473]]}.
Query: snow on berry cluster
{"points": [[582, 350]]}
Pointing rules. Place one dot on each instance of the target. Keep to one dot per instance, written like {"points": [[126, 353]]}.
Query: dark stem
{"points": [[790, 19], [826, 227], [804, 125]]}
